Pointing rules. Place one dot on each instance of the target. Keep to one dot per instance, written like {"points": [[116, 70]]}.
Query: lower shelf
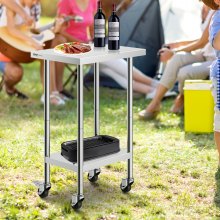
{"points": [[58, 160]]}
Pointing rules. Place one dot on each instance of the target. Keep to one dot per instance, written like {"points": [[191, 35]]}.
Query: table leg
{"points": [[126, 183], [96, 98], [44, 188], [93, 174], [77, 199]]}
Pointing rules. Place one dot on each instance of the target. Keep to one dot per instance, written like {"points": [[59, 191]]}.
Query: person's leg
{"points": [[53, 86], [117, 69], [143, 79], [122, 81], [154, 107], [120, 66], [177, 62], [59, 39], [42, 72], [13, 73], [141, 87], [59, 76], [55, 98], [198, 70], [168, 80]]}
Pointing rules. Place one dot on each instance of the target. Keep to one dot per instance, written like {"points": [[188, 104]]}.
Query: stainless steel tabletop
{"points": [[93, 56]]}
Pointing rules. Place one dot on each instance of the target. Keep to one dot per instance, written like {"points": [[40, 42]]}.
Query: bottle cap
{"points": [[114, 7], [99, 5]]}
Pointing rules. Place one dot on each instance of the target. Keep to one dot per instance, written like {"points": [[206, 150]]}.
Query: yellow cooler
{"points": [[198, 106]]}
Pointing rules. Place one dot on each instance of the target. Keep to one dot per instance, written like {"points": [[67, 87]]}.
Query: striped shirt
{"points": [[36, 12]]}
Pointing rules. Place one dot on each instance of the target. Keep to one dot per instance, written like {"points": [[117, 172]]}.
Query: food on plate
{"points": [[73, 48]]}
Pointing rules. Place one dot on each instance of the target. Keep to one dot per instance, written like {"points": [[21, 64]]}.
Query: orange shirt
{"points": [[3, 58]]}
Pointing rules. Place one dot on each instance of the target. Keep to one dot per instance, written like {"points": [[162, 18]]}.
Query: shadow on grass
{"points": [[159, 124], [201, 140], [95, 194]]}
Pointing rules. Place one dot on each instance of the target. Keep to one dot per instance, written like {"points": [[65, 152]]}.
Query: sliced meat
{"points": [[76, 48]]}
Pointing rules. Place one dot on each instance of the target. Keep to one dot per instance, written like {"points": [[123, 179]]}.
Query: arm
{"points": [[12, 5], [216, 41], [13, 30], [91, 32], [179, 44], [166, 54], [198, 44]]}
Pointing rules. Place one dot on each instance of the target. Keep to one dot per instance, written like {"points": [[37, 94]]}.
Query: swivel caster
{"points": [[93, 175], [43, 190], [126, 185], [76, 202]]}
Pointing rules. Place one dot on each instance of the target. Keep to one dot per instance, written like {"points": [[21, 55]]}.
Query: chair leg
{"points": [[68, 80], [73, 76]]}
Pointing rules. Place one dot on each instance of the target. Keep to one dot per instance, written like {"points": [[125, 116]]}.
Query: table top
{"points": [[96, 55]]}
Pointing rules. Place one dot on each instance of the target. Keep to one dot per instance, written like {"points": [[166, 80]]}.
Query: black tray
{"points": [[94, 147]]}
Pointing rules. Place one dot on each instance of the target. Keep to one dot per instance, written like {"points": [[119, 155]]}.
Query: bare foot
{"points": [[153, 107], [150, 112], [178, 105]]}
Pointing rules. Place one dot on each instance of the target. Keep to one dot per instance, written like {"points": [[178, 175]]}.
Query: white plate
{"points": [[71, 54]]}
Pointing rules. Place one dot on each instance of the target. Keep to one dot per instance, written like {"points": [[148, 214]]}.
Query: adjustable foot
{"points": [[126, 185], [93, 175], [43, 190], [76, 202]]}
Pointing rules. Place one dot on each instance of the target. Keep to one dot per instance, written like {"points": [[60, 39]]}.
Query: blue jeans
{"points": [[2, 66]]}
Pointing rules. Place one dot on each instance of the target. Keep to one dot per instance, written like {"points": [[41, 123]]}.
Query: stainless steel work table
{"points": [[95, 56]]}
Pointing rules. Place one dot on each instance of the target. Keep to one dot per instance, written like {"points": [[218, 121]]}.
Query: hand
{"points": [[58, 24], [28, 20], [36, 45], [165, 54], [172, 45]]}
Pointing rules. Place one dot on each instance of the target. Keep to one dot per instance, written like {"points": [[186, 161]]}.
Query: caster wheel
{"points": [[93, 179], [43, 194], [125, 189], [77, 206]]}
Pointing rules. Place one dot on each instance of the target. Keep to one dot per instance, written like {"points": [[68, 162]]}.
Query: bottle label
{"points": [[113, 33], [99, 28]]}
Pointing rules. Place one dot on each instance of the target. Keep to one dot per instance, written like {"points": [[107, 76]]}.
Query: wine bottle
{"points": [[113, 30], [99, 27]]}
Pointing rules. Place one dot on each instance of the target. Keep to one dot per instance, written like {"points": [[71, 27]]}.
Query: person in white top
{"points": [[187, 60], [12, 5], [13, 71]]}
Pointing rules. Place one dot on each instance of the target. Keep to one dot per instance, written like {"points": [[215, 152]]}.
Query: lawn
{"points": [[175, 173]]}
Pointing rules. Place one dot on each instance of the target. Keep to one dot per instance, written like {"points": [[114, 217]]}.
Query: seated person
{"points": [[83, 32], [13, 72], [186, 62], [73, 30], [12, 5], [117, 69], [56, 98]]}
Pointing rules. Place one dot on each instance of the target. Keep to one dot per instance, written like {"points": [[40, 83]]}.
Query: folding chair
{"points": [[71, 80]]}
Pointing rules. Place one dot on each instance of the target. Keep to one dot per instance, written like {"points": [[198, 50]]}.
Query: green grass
{"points": [[174, 172]]}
